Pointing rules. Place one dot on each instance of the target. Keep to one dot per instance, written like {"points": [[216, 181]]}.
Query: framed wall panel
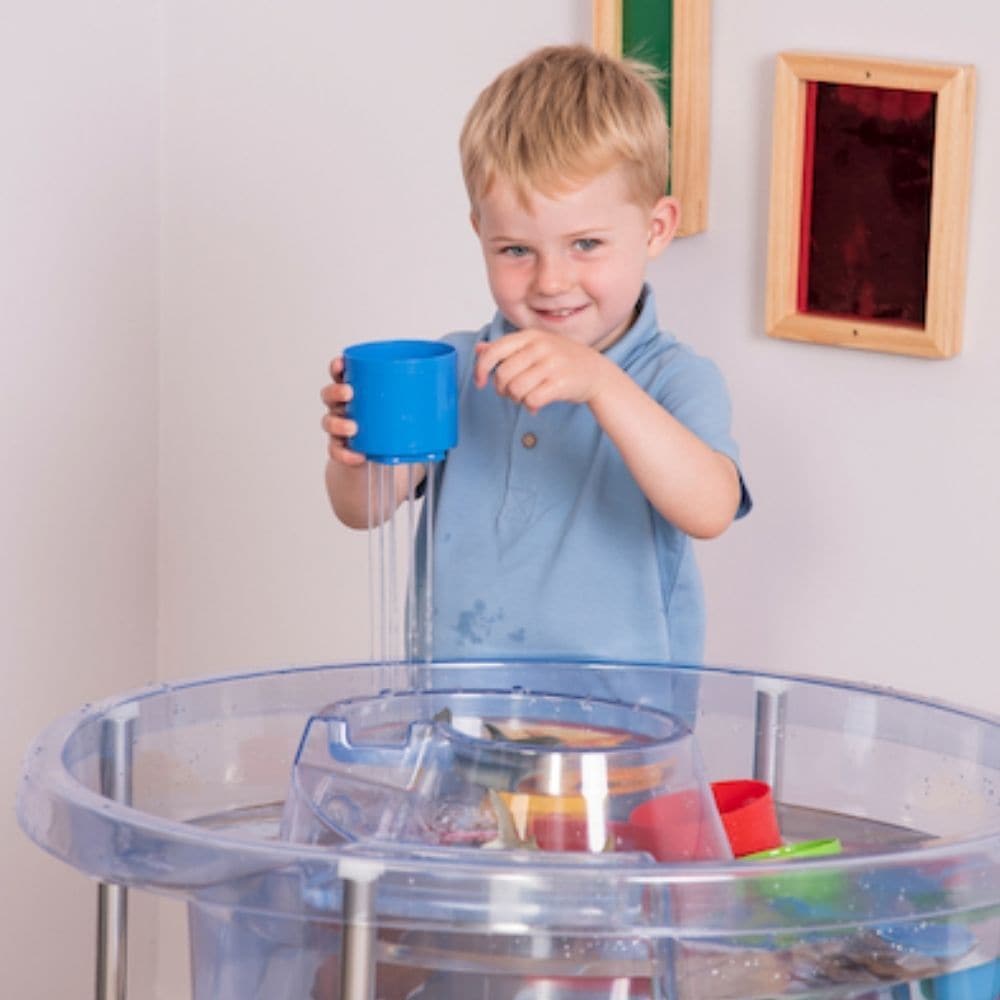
{"points": [[871, 161]]}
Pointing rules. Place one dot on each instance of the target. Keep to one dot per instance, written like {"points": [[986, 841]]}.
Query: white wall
{"points": [[310, 197], [874, 550], [313, 199], [79, 413]]}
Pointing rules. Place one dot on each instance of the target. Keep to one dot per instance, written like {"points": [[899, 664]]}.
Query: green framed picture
{"points": [[675, 37]]}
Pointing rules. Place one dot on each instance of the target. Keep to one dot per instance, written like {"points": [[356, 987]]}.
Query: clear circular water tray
{"points": [[540, 831]]}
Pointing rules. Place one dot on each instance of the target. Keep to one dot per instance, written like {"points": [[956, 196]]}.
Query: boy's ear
{"points": [[663, 222], [474, 219]]}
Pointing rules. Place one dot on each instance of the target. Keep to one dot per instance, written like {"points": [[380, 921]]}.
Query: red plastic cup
{"points": [[569, 833], [679, 826], [748, 815]]}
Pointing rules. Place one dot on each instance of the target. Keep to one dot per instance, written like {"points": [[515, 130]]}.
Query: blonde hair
{"points": [[563, 115]]}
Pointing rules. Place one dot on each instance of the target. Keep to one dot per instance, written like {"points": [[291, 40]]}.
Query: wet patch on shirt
{"points": [[476, 625], [518, 635]]}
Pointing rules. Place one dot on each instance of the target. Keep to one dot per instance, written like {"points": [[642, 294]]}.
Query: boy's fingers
{"points": [[339, 427], [528, 358], [492, 354], [338, 452], [484, 365], [337, 393], [521, 384]]}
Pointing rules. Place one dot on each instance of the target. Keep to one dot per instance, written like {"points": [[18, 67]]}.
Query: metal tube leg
{"points": [[112, 900], [112, 949], [357, 950], [769, 734]]}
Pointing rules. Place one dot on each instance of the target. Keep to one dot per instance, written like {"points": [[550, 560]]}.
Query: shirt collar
{"points": [[644, 328]]}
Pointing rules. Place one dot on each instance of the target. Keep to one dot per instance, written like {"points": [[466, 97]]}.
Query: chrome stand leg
{"points": [[112, 900], [112, 928], [769, 734], [357, 949]]}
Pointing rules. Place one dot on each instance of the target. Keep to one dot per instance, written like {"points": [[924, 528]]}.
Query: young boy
{"points": [[592, 446]]}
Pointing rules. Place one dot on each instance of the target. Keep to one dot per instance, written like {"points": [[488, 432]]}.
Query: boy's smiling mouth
{"points": [[559, 314]]}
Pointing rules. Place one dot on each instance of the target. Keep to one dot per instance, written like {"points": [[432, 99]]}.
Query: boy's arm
{"points": [[691, 485], [347, 488]]}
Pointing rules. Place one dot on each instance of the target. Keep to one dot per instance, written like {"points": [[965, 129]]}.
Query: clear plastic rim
{"points": [[45, 775]]}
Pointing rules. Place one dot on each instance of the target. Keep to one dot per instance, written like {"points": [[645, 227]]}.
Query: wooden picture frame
{"points": [[871, 163], [679, 44]]}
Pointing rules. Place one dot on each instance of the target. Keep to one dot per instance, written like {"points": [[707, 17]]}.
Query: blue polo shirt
{"points": [[544, 544]]}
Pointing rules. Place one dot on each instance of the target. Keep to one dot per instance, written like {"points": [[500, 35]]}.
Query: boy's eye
{"points": [[514, 250], [587, 243]]}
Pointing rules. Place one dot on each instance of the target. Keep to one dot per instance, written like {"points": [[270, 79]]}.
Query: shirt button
{"points": [[529, 440]]}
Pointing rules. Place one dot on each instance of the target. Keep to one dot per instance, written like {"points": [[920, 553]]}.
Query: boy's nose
{"points": [[554, 275]]}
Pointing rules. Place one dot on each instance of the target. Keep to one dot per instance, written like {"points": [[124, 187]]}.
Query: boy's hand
{"points": [[335, 397], [535, 368]]}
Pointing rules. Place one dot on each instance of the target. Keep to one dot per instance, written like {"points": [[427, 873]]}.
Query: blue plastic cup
{"points": [[405, 399]]}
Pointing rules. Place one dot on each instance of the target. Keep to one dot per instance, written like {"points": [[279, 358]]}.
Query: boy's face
{"points": [[573, 263]]}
